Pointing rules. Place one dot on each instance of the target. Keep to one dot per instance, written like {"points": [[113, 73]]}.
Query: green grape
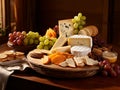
{"points": [[46, 47], [79, 15], [33, 36], [54, 40], [31, 41], [41, 39], [83, 18], [73, 21], [41, 43], [36, 35], [75, 25], [36, 41], [80, 27], [75, 31], [83, 22], [39, 47], [51, 43], [28, 36], [24, 33], [78, 19], [75, 18], [46, 42], [78, 22], [30, 32], [49, 46], [25, 41]]}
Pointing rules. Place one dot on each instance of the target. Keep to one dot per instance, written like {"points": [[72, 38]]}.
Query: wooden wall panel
{"points": [[39, 15], [115, 32], [49, 12]]}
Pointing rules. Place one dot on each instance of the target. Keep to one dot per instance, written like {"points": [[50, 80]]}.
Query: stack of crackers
{"points": [[11, 55]]}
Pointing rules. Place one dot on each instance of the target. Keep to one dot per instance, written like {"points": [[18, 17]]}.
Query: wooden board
{"points": [[61, 72]]}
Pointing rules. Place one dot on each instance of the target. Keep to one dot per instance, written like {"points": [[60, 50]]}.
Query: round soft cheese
{"points": [[80, 50]]}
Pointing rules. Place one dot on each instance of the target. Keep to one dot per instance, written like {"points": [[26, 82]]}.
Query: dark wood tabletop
{"points": [[31, 80]]}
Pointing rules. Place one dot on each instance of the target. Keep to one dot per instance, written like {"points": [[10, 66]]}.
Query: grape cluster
{"points": [[16, 38], [31, 38], [23, 38], [98, 42], [78, 22], [46, 42], [109, 69]]}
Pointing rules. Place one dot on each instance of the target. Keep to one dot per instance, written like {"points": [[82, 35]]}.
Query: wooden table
{"points": [[31, 80]]}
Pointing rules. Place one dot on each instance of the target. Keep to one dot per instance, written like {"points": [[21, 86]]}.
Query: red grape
{"points": [[10, 35], [111, 69], [19, 42], [104, 73], [107, 67], [21, 37], [116, 67], [101, 64], [11, 39], [18, 33], [14, 42], [113, 73], [105, 62], [14, 33]]}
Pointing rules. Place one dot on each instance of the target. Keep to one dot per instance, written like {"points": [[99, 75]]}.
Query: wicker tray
{"points": [[61, 72]]}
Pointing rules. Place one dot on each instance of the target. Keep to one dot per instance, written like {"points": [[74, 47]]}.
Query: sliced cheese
{"points": [[61, 49], [60, 42], [77, 40]]}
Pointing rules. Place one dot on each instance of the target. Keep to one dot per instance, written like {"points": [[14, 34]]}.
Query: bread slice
{"points": [[45, 60]]}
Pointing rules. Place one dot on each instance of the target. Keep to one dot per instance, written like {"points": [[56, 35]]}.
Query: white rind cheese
{"points": [[80, 50], [78, 40]]}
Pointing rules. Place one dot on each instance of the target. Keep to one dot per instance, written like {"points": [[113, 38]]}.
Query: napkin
{"points": [[8, 67]]}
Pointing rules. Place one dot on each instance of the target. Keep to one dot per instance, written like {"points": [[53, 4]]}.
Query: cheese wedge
{"points": [[66, 27], [60, 42], [61, 49]]}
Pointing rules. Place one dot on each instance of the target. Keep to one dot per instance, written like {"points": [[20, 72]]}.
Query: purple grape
{"points": [[104, 73], [107, 67], [113, 73]]}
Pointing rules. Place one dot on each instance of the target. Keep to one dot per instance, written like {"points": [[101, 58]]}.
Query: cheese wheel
{"points": [[78, 40], [80, 50]]}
